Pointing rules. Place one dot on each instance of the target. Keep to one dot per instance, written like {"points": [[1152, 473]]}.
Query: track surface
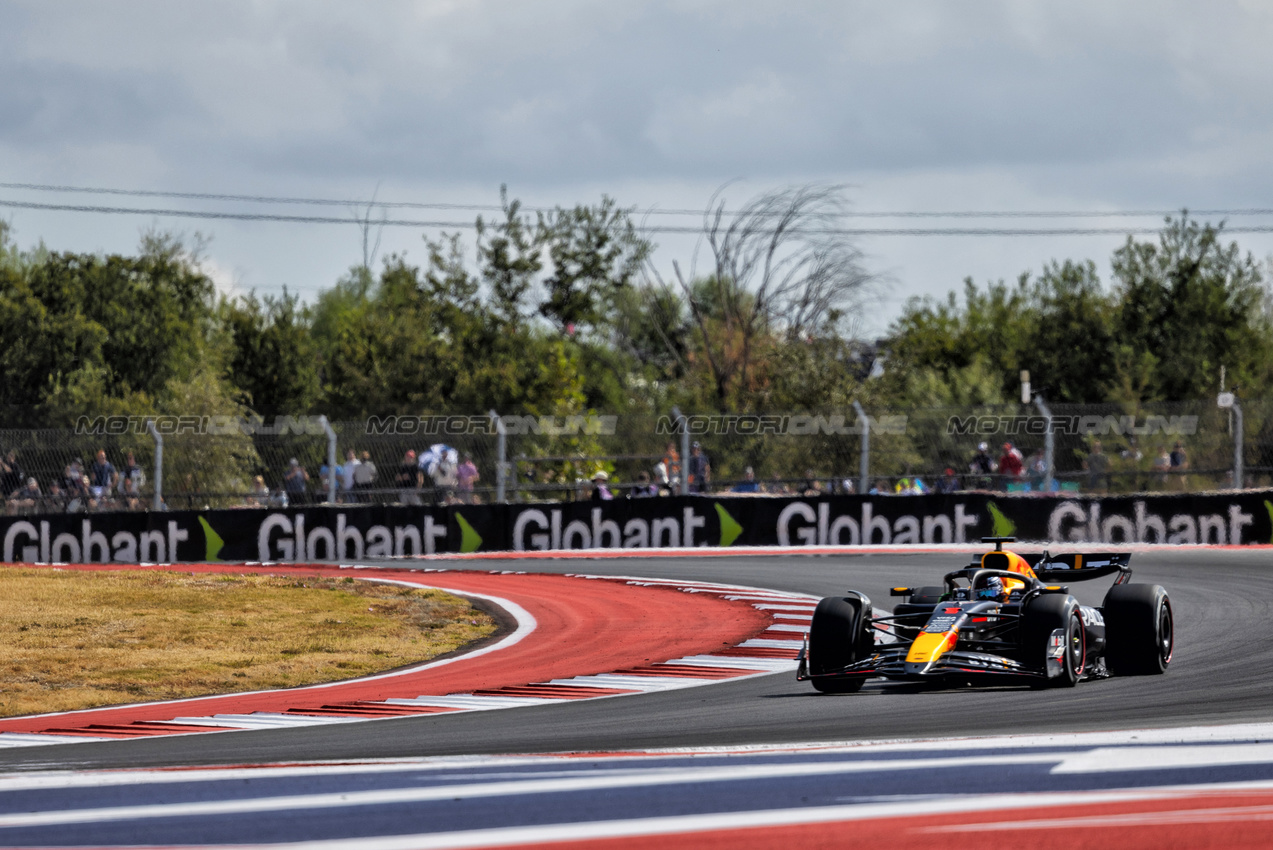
{"points": [[1224, 660]]}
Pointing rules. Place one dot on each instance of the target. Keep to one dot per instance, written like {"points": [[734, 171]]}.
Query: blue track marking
{"points": [[440, 797]]}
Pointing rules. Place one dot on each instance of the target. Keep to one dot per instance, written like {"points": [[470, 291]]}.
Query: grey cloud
{"points": [[577, 92], [62, 104]]}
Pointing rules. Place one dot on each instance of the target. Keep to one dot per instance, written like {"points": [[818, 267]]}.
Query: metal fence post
{"points": [[158, 503], [331, 459], [1049, 443], [1237, 446], [864, 459], [684, 425], [501, 453]]}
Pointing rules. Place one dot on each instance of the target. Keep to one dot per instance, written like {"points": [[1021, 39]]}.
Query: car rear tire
{"points": [[1139, 630], [1041, 617], [839, 635]]}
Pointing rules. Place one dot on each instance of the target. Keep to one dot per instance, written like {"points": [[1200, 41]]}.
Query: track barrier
{"points": [[357, 532]]}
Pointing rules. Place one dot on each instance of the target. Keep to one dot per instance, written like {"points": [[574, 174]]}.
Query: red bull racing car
{"points": [[1004, 615]]}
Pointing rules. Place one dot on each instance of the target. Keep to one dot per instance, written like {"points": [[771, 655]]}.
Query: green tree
{"points": [[595, 253], [272, 358], [1193, 304], [81, 326], [1057, 325]]}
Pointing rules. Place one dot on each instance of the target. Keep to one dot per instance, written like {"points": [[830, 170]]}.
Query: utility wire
{"points": [[334, 202], [669, 229]]}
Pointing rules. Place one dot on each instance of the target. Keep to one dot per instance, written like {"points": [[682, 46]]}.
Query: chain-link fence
{"points": [[205, 462]]}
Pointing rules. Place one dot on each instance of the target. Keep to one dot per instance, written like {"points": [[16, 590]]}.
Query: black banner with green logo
{"points": [[365, 532]]}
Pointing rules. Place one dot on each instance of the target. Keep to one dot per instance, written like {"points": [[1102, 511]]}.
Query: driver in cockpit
{"points": [[996, 589], [992, 590]]}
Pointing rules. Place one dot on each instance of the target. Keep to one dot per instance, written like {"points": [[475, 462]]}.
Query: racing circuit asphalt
{"points": [[1222, 673]]}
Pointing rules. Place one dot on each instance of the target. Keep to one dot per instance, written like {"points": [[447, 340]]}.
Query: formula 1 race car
{"points": [[1004, 615]]}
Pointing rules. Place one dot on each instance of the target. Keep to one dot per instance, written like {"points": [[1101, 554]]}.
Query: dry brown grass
{"points": [[76, 639]]}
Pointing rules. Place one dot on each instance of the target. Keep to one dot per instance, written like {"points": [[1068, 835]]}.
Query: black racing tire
{"points": [[1044, 615], [1140, 630], [839, 635]]}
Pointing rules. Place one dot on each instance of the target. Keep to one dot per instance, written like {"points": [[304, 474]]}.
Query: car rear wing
{"points": [[1079, 566]]}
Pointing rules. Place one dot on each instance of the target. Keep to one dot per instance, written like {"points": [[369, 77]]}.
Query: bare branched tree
{"points": [[365, 224], [781, 270]]}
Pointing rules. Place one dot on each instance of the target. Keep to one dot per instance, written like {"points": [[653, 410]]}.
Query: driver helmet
{"points": [[992, 589]]}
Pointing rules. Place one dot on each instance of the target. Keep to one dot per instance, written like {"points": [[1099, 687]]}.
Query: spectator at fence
{"points": [[1162, 465], [131, 471], [1179, 463], [670, 472], [1011, 466], [600, 490], [949, 482], [83, 499], [699, 469], [130, 499], [661, 477], [71, 476], [911, 487], [748, 484], [326, 475], [982, 467], [778, 487], [102, 475], [466, 475], [259, 497], [347, 472], [55, 499], [1097, 465], [24, 499], [365, 477], [76, 489], [11, 477], [1037, 469], [880, 488], [811, 486], [439, 464], [644, 487], [409, 479], [296, 483]]}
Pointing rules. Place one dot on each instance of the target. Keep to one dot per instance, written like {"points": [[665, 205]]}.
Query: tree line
{"points": [[565, 312]]}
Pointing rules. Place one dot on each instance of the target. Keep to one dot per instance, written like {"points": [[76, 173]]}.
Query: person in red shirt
{"points": [[1011, 466]]}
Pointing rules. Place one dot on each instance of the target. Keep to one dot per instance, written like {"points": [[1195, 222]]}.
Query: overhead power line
{"points": [[375, 204], [668, 229]]}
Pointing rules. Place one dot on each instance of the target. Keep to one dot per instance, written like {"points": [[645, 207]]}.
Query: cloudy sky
{"points": [[1091, 107]]}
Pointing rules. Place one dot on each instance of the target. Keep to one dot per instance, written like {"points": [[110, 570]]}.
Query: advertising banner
{"points": [[361, 532]]}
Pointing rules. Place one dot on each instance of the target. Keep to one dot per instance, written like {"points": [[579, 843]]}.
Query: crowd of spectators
{"points": [[441, 475], [98, 486]]}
